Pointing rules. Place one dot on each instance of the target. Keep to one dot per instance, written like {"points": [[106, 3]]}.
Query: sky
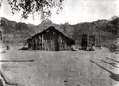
{"points": [[74, 11]]}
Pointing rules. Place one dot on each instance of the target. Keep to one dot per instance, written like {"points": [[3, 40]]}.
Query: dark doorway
{"points": [[56, 43], [91, 40], [84, 41]]}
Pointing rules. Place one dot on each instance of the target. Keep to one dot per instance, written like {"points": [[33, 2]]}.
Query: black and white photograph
{"points": [[59, 42]]}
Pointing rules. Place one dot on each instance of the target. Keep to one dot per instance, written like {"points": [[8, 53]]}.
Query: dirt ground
{"points": [[63, 68]]}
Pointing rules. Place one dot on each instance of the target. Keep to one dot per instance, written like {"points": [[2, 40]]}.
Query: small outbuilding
{"points": [[88, 41], [50, 39]]}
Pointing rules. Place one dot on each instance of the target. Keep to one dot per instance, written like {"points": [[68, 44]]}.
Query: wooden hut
{"points": [[90, 40], [50, 39]]}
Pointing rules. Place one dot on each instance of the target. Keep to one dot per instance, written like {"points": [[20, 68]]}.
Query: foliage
{"points": [[105, 28], [111, 45], [27, 7], [115, 21]]}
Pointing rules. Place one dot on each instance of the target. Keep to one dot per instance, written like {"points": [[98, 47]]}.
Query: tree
{"points": [[115, 20], [27, 7]]}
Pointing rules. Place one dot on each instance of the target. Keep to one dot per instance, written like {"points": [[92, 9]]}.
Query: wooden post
{"points": [[1, 35], [88, 41], [33, 44], [42, 43], [100, 40], [95, 37], [35, 41]]}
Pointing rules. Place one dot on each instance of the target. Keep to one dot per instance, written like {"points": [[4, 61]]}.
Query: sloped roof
{"points": [[53, 28]]}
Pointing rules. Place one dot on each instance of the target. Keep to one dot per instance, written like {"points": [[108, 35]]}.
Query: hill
{"points": [[14, 32]]}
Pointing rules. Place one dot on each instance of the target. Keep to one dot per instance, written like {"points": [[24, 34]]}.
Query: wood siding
{"points": [[90, 40], [50, 40]]}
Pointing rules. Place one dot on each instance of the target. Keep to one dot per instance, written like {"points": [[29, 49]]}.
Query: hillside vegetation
{"points": [[14, 32]]}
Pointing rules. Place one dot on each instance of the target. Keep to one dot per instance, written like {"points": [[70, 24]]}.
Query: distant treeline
{"points": [[14, 32]]}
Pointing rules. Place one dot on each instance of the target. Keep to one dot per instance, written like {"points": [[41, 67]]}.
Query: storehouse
{"points": [[90, 40], [50, 39]]}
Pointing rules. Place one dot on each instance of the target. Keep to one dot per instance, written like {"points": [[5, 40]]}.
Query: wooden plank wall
{"points": [[98, 40], [50, 41], [92, 40]]}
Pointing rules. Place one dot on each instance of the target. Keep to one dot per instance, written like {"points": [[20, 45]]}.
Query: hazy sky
{"points": [[75, 11]]}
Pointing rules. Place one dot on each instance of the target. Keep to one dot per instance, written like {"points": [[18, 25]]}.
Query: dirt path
{"points": [[65, 68]]}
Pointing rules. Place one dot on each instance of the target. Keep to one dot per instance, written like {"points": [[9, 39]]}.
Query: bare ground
{"points": [[64, 68]]}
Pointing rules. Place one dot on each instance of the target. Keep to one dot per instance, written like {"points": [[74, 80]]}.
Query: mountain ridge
{"points": [[18, 32]]}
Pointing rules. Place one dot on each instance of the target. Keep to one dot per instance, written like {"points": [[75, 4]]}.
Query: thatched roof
{"points": [[53, 28]]}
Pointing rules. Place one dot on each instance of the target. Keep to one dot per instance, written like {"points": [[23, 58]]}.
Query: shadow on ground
{"points": [[112, 75]]}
